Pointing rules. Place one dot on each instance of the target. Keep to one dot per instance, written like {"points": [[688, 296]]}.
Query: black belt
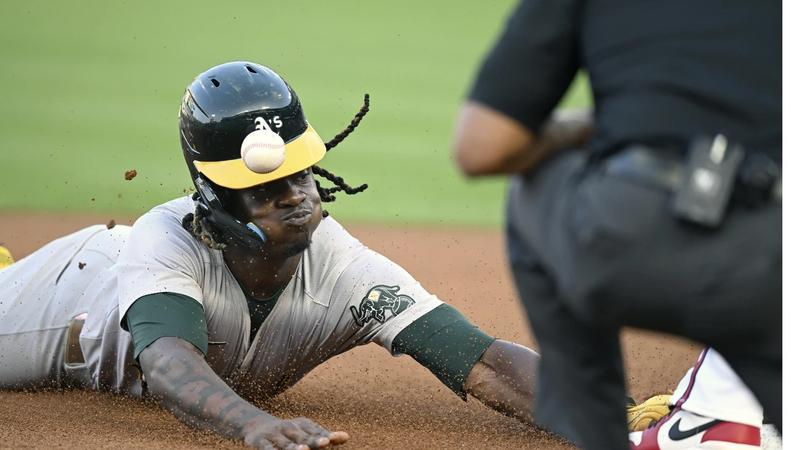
{"points": [[758, 180]]}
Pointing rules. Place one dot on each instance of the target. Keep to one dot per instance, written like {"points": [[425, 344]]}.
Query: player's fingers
{"points": [[316, 430], [296, 434], [263, 444], [310, 426], [285, 443], [275, 440], [339, 437], [334, 438]]}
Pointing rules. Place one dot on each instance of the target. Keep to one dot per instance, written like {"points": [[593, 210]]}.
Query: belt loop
{"points": [[73, 354]]}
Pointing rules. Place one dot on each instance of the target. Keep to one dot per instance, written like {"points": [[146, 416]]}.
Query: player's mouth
{"points": [[298, 218]]}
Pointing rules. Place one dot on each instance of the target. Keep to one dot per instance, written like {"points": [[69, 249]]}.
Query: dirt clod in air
{"points": [[130, 174], [111, 224]]}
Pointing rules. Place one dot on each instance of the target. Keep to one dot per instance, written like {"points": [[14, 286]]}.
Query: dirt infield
{"points": [[383, 402]]}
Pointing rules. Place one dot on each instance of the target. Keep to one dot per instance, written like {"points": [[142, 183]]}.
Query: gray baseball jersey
{"points": [[342, 295]]}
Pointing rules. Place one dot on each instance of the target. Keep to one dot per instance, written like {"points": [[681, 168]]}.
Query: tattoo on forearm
{"points": [[191, 390]]}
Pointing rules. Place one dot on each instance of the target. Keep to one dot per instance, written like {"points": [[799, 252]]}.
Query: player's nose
{"points": [[291, 196]]}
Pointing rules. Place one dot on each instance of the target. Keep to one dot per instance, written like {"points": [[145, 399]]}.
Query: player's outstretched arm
{"points": [[498, 373], [179, 377], [503, 379]]}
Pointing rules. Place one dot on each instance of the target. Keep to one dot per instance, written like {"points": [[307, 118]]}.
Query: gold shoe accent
{"points": [[649, 411], [5, 258]]}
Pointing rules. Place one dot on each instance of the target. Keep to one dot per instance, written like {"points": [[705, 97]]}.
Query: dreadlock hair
{"points": [[200, 229], [326, 194]]}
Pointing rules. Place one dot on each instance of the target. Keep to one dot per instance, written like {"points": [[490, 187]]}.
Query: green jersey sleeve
{"points": [[166, 314], [446, 343]]}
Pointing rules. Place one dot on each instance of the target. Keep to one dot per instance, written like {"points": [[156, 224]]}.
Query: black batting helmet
{"points": [[242, 125]]}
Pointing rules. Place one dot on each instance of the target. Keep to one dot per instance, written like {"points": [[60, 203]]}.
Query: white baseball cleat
{"points": [[771, 438], [685, 430]]}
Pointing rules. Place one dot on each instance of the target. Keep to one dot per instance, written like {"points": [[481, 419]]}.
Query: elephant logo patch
{"points": [[381, 303]]}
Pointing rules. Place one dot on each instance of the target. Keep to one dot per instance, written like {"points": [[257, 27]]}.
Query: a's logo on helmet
{"points": [[263, 151], [261, 124], [381, 303]]}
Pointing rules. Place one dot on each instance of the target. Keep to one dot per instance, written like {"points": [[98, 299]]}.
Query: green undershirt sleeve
{"points": [[167, 314], [445, 343]]}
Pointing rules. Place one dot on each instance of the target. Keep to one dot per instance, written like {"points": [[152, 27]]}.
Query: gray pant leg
{"points": [[30, 359], [38, 297]]}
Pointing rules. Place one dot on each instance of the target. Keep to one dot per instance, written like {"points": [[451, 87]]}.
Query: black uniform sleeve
{"points": [[445, 343], [533, 63], [166, 314]]}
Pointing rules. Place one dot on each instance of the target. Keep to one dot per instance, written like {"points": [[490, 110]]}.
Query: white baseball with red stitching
{"points": [[263, 151]]}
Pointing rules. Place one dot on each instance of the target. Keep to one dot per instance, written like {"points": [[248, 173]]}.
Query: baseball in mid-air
{"points": [[263, 151]]}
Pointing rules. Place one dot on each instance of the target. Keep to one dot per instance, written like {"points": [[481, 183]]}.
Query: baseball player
{"points": [[239, 290]]}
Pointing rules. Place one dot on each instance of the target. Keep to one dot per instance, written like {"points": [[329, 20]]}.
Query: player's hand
{"points": [[295, 434]]}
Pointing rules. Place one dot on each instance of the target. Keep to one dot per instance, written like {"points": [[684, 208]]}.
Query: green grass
{"points": [[91, 89]]}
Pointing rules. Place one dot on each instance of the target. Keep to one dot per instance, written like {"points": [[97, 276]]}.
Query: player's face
{"points": [[287, 211]]}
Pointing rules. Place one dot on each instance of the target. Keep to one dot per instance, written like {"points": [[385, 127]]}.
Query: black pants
{"points": [[591, 252]]}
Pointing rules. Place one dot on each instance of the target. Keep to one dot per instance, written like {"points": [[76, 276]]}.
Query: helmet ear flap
{"points": [[187, 151], [226, 227]]}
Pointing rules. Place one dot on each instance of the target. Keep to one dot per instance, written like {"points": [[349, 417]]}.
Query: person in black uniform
{"points": [[665, 214]]}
